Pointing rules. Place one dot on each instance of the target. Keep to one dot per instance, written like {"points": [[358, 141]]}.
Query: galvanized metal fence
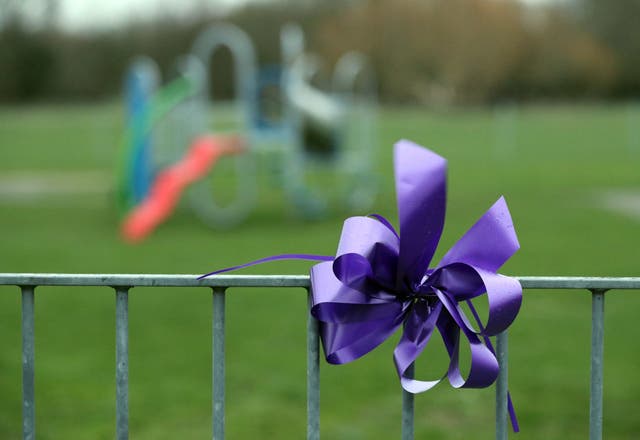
{"points": [[219, 284]]}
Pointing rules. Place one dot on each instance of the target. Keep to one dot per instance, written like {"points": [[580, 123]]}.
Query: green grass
{"points": [[561, 157]]}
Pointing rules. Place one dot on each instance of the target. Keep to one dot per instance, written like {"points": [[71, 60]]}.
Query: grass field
{"points": [[551, 165]]}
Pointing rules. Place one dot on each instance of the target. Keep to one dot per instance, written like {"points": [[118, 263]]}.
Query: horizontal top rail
{"points": [[152, 280], [164, 280]]}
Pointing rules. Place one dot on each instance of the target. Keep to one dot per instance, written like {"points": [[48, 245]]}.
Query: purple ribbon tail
{"points": [[487, 340], [512, 414], [311, 257]]}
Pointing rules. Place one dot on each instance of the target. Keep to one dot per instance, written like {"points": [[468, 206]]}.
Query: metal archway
{"points": [[202, 194], [355, 85], [344, 115]]}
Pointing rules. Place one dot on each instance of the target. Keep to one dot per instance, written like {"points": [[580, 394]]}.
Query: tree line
{"points": [[437, 52]]}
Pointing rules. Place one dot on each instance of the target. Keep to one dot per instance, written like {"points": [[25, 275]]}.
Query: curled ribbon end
{"points": [[512, 414], [417, 386], [310, 257]]}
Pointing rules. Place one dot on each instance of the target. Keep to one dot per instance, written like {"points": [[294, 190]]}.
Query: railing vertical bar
{"points": [[122, 363], [597, 360], [502, 386], [313, 375], [407, 409], [28, 364], [218, 362]]}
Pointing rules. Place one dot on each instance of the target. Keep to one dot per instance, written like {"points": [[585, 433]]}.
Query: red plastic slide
{"points": [[167, 187]]}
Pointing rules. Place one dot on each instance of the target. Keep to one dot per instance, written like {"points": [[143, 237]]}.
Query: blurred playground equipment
{"points": [[278, 117]]}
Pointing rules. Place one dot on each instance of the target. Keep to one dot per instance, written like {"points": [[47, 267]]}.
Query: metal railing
{"points": [[219, 284]]}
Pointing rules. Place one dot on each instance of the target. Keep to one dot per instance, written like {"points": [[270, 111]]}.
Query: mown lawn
{"points": [[551, 164]]}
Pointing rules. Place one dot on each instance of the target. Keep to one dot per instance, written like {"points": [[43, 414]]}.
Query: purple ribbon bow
{"points": [[380, 280]]}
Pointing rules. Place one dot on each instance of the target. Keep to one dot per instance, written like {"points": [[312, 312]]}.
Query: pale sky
{"points": [[82, 15]]}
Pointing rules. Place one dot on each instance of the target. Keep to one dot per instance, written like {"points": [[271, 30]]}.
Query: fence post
{"points": [[28, 364], [502, 385], [313, 375], [407, 408], [218, 362], [597, 360], [122, 363]]}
